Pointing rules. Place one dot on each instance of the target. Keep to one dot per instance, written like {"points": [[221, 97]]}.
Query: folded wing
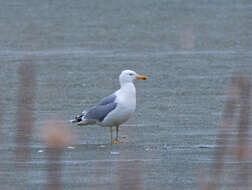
{"points": [[97, 113]]}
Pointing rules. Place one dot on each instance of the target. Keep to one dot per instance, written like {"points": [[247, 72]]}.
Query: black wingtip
{"points": [[76, 119]]}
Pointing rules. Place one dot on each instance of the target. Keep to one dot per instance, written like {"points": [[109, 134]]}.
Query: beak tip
{"points": [[141, 77]]}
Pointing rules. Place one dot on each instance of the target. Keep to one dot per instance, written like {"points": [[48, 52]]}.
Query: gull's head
{"points": [[128, 76]]}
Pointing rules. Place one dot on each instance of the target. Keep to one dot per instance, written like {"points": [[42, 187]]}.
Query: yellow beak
{"points": [[141, 77]]}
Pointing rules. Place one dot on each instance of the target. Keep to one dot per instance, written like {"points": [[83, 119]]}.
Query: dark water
{"points": [[188, 50]]}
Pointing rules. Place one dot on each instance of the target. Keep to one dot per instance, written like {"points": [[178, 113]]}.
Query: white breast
{"points": [[126, 105]]}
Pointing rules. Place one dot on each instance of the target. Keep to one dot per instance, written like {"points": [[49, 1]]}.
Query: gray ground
{"points": [[188, 50]]}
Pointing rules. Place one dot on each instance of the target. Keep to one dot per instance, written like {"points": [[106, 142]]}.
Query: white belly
{"points": [[119, 115], [126, 105]]}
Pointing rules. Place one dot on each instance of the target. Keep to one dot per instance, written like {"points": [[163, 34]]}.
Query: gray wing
{"points": [[102, 109], [99, 112], [108, 100]]}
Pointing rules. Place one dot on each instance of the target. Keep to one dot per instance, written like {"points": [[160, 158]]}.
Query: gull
{"points": [[114, 109]]}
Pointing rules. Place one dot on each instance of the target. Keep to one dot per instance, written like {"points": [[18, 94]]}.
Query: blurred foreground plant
{"points": [[56, 136], [25, 119], [238, 96]]}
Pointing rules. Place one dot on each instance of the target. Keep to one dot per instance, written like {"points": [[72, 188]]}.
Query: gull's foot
{"points": [[117, 142], [124, 136]]}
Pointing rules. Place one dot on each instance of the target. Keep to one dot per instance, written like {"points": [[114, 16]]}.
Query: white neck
{"points": [[123, 82], [130, 87]]}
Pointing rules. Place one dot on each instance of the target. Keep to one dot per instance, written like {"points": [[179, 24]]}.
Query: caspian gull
{"points": [[115, 109]]}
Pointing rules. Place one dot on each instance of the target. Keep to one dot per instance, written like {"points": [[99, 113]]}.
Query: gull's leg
{"points": [[111, 135], [117, 131], [117, 136]]}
